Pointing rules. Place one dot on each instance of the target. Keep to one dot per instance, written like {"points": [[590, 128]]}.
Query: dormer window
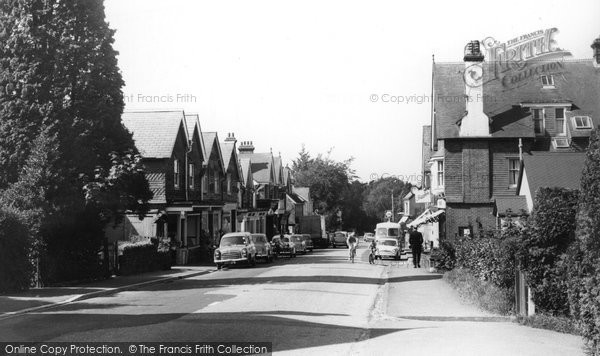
{"points": [[582, 122], [547, 81]]}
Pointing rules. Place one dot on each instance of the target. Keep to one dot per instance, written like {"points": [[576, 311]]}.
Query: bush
{"points": [[142, 255], [15, 266], [444, 256], [552, 230], [584, 256], [485, 295]]}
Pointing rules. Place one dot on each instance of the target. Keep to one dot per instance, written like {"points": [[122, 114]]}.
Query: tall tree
{"points": [[379, 193], [59, 75]]}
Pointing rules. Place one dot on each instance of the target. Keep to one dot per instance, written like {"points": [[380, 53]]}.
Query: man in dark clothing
{"points": [[416, 245]]}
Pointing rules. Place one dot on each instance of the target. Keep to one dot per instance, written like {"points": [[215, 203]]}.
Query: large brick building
{"points": [[487, 115]]}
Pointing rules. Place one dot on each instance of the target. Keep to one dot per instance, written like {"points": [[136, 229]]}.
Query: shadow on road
{"points": [[277, 326]]}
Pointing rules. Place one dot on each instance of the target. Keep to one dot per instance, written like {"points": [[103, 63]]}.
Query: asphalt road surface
{"points": [[318, 304]]}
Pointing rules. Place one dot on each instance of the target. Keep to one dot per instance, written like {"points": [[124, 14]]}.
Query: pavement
{"points": [[37, 299]]}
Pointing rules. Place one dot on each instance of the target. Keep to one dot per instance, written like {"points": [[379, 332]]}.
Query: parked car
{"points": [[339, 238], [369, 236], [309, 242], [387, 248], [299, 243], [263, 247], [284, 245], [235, 248]]}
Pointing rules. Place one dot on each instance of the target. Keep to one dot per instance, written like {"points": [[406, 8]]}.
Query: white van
{"points": [[387, 230]]}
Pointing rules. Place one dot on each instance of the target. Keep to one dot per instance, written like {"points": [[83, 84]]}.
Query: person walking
{"points": [[416, 246]]}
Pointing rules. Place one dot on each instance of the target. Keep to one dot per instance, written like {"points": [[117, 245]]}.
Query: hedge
{"points": [[143, 255]]}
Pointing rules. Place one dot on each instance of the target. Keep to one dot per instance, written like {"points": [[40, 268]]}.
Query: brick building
{"points": [[487, 115]]}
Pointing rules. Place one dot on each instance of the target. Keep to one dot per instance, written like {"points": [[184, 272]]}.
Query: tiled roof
{"points": [[426, 148], [193, 124], [297, 199], [576, 81], [245, 167], [553, 169], [277, 168], [211, 140], [304, 192], [262, 164], [227, 149], [154, 132], [516, 204]]}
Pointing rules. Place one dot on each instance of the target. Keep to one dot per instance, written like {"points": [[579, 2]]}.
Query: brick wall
{"points": [[453, 179], [477, 216]]}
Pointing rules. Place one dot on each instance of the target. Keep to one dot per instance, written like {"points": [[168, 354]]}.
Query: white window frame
{"points": [[176, 174], [562, 119], [216, 182], [549, 79], [191, 173], [541, 118], [513, 172], [439, 176], [228, 183], [555, 142], [406, 207], [589, 126]]}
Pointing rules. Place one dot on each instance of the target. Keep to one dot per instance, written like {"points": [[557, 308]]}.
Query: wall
{"points": [[469, 215]]}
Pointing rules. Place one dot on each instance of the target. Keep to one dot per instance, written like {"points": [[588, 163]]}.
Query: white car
{"points": [[387, 248]]}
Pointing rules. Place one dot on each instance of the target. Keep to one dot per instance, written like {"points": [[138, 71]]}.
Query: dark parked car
{"points": [[284, 246], [308, 241]]}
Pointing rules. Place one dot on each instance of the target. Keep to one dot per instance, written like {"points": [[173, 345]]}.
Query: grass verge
{"points": [[485, 295]]}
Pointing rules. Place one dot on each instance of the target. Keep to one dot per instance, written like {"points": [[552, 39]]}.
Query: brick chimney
{"points": [[475, 123], [230, 137], [246, 147], [596, 47]]}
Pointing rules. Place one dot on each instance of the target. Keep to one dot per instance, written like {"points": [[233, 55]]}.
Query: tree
{"points": [[378, 198], [59, 75]]}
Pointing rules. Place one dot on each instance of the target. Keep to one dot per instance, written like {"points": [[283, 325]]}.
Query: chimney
{"points": [[231, 138], [475, 123], [596, 47], [246, 147]]}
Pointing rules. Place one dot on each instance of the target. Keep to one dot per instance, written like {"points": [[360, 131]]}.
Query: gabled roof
{"points": [[552, 169], [211, 140], [515, 205], [576, 82], [262, 167], [296, 199], [277, 168], [193, 127], [155, 132], [304, 192], [230, 155], [246, 170]]}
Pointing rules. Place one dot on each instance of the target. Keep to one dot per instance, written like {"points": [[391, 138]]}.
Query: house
{"points": [[232, 190], [212, 187], [270, 198], [547, 170], [488, 115], [173, 169]]}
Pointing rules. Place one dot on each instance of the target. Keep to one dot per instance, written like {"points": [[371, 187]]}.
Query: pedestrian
{"points": [[416, 245]]}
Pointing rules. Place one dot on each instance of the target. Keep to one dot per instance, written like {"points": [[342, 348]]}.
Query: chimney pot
{"points": [[473, 52], [596, 46]]}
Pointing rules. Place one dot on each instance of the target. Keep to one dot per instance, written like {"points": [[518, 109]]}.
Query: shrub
{"points": [[444, 256], [485, 295], [584, 256], [552, 230], [559, 324], [142, 254], [15, 266]]}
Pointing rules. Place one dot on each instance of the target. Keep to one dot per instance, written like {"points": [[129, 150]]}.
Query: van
{"points": [[387, 230]]}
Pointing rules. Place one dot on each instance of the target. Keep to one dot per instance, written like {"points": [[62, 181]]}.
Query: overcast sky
{"points": [[283, 74]]}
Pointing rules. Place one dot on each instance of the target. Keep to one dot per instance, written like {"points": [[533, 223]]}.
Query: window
{"points": [[561, 128], [538, 121], [582, 122], [216, 189], [548, 81], [440, 173], [176, 174], [514, 165], [204, 183], [228, 183], [406, 207], [560, 142], [191, 172]]}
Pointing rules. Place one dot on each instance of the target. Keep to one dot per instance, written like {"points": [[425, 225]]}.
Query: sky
{"points": [[344, 78]]}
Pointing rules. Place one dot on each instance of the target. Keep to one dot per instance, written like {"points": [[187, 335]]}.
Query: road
{"points": [[319, 304]]}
